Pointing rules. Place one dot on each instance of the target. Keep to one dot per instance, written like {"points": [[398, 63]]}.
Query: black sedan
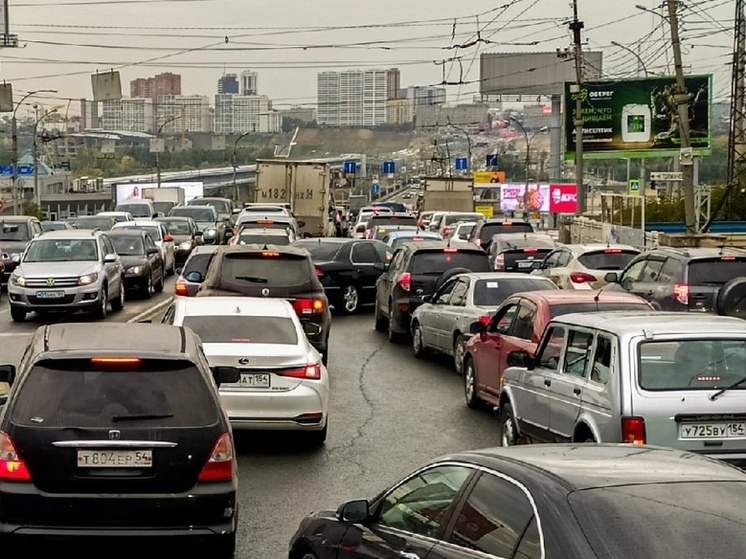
{"points": [[143, 265], [348, 269], [186, 236], [583, 501]]}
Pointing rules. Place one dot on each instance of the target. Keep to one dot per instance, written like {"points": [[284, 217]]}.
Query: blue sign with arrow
{"points": [[492, 160], [389, 167], [461, 163], [350, 167], [375, 188], [23, 170]]}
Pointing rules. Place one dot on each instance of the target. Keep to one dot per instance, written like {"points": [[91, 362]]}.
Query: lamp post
{"points": [[235, 165], [640, 61], [158, 153], [14, 146], [529, 139], [37, 190]]}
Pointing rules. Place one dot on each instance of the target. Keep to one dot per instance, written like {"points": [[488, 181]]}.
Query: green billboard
{"points": [[637, 118]]}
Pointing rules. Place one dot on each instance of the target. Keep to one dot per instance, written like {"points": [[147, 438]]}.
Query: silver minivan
{"points": [[667, 379]]}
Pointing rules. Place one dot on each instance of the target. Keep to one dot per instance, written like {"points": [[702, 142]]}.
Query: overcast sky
{"points": [[289, 41]]}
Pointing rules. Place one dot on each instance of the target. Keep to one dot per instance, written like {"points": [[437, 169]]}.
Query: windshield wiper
{"points": [[253, 279], [142, 416], [736, 384]]}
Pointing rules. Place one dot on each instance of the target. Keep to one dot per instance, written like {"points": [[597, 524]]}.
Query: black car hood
{"points": [[13, 246], [134, 260]]}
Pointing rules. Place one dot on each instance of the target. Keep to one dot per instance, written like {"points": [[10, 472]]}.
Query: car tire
{"points": [[118, 303], [394, 337], [380, 321], [507, 429], [317, 438], [158, 286], [459, 347], [470, 385], [18, 315], [172, 270], [418, 346], [349, 301], [102, 310], [147, 290]]}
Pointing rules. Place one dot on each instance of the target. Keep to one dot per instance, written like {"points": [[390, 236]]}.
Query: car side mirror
{"points": [[520, 358], [236, 211], [301, 223], [228, 233], [354, 511], [155, 215], [168, 238], [226, 375], [110, 259], [178, 271], [153, 250], [8, 374], [379, 266], [477, 328], [427, 298], [611, 277], [194, 277]]}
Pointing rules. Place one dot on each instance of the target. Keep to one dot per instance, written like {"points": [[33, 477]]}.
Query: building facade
{"points": [[237, 114], [149, 88], [302, 114], [249, 83], [400, 111], [352, 98], [393, 83], [473, 116], [228, 84], [89, 115], [425, 95], [132, 115], [190, 113]]}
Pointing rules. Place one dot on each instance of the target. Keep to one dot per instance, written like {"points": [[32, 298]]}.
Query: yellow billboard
{"points": [[489, 177]]}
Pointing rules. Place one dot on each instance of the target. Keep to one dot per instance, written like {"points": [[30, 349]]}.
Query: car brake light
{"points": [[305, 307], [319, 272], [500, 263], [581, 277], [12, 466], [181, 289], [312, 372], [270, 253], [633, 430], [418, 238], [116, 361], [265, 221], [405, 281], [219, 466], [612, 250], [450, 249], [530, 249], [360, 228], [485, 319], [507, 223], [681, 293], [728, 258]]}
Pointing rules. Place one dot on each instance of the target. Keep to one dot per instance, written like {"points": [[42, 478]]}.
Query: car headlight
{"points": [[211, 232], [16, 256], [20, 281], [88, 279], [186, 245], [136, 270]]}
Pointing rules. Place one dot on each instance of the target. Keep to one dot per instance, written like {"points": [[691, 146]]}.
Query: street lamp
{"points": [[640, 61], [235, 147], [529, 139], [35, 149], [158, 153], [14, 140]]}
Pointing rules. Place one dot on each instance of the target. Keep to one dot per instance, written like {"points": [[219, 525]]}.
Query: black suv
{"points": [[15, 234], [127, 440], [273, 271], [413, 273], [483, 231], [680, 279]]}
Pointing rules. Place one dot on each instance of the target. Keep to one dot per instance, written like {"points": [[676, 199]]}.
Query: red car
{"points": [[518, 324]]}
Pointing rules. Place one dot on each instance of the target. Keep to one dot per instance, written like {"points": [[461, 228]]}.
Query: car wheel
{"points": [[317, 438], [18, 315], [417, 344], [508, 430], [101, 310], [308, 555], [158, 286], [146, 291], [394, 337], [470, 384], [459, 346], [118, 303], [350, 299], [380, 321], [172, 270]]}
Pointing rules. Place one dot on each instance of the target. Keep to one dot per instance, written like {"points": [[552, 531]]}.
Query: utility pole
{"points": [[576, 26], [682, 101]]}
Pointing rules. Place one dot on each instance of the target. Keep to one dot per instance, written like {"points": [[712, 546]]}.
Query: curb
{"points": [[152, 310]]}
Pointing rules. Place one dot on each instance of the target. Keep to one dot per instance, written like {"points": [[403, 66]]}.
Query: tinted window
{"points": [[608, 259], [493, 292], [436, 262], [523, 324], [494, 518], [451, 219], [221, 206], [390, 221], [524, 241], [195, 212], [243, 329], [716, 271], [364, 253], [320, 251], [381, 232], [137, 210], [75, 393], [258, 269], [198, 263], [62, 250], [559, 310], [153, 231], [399, 240], [128, 246], [692, 364], [177, 226], [263, 224], [14, 232], [490, 229], [53, 226], [259, 239], [707, 519], [103, 223], [601, 365]]}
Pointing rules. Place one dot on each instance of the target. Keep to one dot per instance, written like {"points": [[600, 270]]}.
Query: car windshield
{"points": [[259, 239], [568, 308], [62, 250], [72, 393], [221, 206], [435, 262], [607, 259], [155, 231], [492, 292], [176, 226], [489, 229], [627, 521], [243, 329], [390, 221], [91, 222], [137, 210], [692, 364], [320, 251], [53, 225], [265, 268], [716, 271], [128, 245], [195, 212], [14, 232]]}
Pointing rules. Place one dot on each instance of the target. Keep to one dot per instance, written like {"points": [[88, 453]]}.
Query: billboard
{"points": [[126, 192], [487, 177], [547, 198], [638, 118]]}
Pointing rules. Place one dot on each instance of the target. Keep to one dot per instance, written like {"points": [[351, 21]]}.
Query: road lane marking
{"points": [[152, 310]]}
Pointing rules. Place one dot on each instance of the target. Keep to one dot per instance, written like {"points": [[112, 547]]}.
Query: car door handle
{"points": [[576, 391], [547, 382], [408, 555]]}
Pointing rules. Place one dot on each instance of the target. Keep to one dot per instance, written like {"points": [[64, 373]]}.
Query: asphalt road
{"points": [[389, 414]]}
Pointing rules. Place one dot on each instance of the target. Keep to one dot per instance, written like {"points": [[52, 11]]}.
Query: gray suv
{"points": [[67, 271]]}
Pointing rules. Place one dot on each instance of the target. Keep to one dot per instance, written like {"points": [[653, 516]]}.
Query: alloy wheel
{"points": [[351, 299]]}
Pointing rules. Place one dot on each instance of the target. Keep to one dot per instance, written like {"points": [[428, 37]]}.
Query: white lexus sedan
{"points": [[284, 385]]}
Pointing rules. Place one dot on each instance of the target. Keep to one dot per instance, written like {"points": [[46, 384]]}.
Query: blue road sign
{"points": [[461, 163], [389, 167], [375, 188], [492, 160], [350, 167], [23, 170]]}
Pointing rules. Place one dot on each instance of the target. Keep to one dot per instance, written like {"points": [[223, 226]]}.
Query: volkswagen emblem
{"points": [[115, 435], [243, 361], [265, 292], [50, 282]]}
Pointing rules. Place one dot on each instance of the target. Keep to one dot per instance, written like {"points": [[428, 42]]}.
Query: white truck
{"points": [[164, 198], [302, 184], [446, 194]]}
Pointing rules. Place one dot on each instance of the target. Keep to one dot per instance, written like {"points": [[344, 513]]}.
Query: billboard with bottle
{"points": [[638, 117]]}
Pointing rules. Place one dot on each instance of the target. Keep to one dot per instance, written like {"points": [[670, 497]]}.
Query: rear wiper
{"points": [[142, 416], [253, 279], [736, 384]]}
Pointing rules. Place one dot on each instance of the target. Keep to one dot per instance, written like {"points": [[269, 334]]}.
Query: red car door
{"points": [[521, 335], [487, 353]]}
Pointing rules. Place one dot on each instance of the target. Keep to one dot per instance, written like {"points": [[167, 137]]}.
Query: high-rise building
{"points": [[249, 83], [228, 84], [190, 113], [236, 114], [425, 95], [352, 98], [131, 115], [393, 83], [89, 117], [149, 88], [400, 111]]}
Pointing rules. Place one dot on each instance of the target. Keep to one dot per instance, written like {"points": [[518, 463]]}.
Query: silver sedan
{"points": [[442, 322]]}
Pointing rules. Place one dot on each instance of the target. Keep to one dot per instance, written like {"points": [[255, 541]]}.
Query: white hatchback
{"points": [[284, 385]]}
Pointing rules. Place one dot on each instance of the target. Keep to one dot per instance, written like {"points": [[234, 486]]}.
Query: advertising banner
{"points": [[487, 177], [638, 117], [126, 192], [563, 198], [513, 198]]}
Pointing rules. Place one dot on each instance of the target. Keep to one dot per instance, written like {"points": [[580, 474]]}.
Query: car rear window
{"points": [[137, 210], [263, 224], [692, 364], [320, 251], [390, 221], [103, 223], [259, 239], [435, 262], [607, 259], [489, 229], [14, 232], [525, 241], [381, 232], [568, 308], [490, 292], [450, 219], [399, 241], [266, 267], [243, 329], [79, 393], [716, 271], [198, 263], [197, 213]]}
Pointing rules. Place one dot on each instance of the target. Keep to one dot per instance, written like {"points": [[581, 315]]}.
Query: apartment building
{"points": [[182, 113], [132, 115], [166, 83], [352, 98], [236, 114]]}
